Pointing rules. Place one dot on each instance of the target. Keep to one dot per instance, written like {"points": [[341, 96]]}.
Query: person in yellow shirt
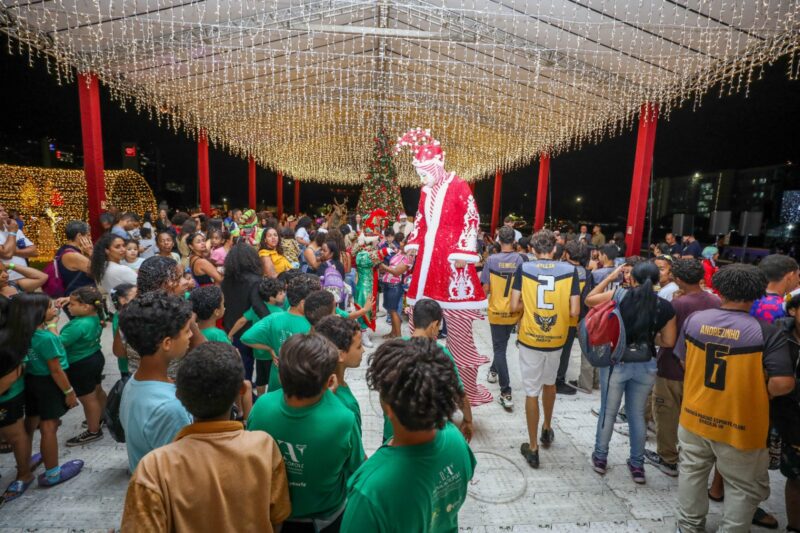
{"points": [[496, 278], [548, 294], [271, 254]]}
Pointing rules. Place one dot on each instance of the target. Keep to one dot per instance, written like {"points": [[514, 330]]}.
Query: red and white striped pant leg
{"points": [[461, 344]]}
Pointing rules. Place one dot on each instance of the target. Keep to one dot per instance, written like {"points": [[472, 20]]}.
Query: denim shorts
{"points": [[392, 295]]}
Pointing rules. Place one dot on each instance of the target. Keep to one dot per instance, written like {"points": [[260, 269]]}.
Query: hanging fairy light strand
{"points": [[304, 85]]}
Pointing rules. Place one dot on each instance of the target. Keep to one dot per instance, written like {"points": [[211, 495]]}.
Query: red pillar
{"points": [[640, 186], [203, 181], [296, 197], [279, 201], [251, 182], [541, 191], [89, 96], [498, 187]]}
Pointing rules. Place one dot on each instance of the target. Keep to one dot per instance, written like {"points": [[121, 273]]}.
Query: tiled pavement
{"points": [[505, 495]]}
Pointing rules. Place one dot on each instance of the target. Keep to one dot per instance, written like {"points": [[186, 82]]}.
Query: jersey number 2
{"points": [[546, 284]]}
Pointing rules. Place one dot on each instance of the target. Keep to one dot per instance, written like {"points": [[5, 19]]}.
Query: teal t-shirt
{"points": [[345, 395], [276, 308], [388, 430], [215, 334], [122, 362], [274, 329], [411, 488], [81, 337], [321, 447], [14, 390], [45, 345]]}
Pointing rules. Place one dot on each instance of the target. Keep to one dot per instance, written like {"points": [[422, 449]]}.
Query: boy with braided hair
{"points": [[427, 464]]}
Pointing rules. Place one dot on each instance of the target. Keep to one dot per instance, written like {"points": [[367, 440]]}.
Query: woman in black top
{"points": [[649, 321], [73, 258], [243, 272]]}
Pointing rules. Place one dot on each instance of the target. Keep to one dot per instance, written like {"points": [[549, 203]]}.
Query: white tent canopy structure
{"points": [[304, 85]]}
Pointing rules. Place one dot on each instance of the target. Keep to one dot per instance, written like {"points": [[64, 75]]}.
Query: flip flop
{"points": [[5, 447], [15, 490], [760, 515], [69, 470], [36, 461]]}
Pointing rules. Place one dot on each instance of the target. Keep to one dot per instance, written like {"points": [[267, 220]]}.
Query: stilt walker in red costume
{"points": [[445, 241]]}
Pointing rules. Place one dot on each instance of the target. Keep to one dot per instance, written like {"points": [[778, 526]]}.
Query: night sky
{"points": [[728, 132]]}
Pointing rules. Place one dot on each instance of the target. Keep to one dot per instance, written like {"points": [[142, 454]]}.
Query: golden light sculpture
{"points": [[48, 198], [304, 85]]}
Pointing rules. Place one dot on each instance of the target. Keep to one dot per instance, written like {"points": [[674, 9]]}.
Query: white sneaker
{"points": [[366, 342], [492, 377], [506, 401]]}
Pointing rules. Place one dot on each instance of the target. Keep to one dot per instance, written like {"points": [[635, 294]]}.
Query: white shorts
{"points": [[537, 369]]}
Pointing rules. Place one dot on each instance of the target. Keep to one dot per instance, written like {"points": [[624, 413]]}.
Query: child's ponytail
{"points": [[90, 294]]}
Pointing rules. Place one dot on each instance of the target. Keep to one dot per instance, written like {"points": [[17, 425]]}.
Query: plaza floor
{"points": [[505, 495]]}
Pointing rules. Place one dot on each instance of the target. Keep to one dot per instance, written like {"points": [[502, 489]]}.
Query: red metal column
{"points": [[279, 200], [251, 182], [89, 96], [203, 181], [640, 186], [541, 191], [296, 197], [498, 188]]}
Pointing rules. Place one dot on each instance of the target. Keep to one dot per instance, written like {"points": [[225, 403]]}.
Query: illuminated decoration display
{"points": [[303, 85], [380, 190], [48, 198]]}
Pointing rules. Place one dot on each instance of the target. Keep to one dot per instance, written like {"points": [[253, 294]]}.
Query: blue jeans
{"points": [[392, 296], [500, 336], [635, 381]]}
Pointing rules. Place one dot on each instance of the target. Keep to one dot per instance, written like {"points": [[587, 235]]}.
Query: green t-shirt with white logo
{"points": [[321, 447], [45, 345], [81, 337], [411, 488]]}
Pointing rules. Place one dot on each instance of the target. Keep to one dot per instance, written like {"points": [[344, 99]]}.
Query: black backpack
{"points": [[111, 412]]}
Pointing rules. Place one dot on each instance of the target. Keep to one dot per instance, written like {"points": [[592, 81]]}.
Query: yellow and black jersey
{"points": [[546, 286], [728, 356], [498, 272], [582, 274]]}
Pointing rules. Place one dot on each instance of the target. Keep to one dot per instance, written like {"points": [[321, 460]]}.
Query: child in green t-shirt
{"points": [[269, 333], [208, 304], [48, 392], [427, 465], [81, 339], [317, 435], [345, 334], [127, 358], [273, 293]]}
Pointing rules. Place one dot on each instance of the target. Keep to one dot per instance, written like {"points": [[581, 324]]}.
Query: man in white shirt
{"points": [[15, 247], [509, 222]]}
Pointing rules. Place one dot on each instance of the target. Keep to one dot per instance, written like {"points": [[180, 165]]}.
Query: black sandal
{"points": [[531, 456], [6, 447], [760, 515]]}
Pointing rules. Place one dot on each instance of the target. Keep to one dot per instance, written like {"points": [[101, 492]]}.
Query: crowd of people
{"points": [[234, 334]]}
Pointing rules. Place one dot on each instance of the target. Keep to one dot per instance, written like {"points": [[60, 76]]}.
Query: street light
{"points": [[578, 199]]}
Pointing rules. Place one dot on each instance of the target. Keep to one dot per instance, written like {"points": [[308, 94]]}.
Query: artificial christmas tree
{"points": [[381, 191]]}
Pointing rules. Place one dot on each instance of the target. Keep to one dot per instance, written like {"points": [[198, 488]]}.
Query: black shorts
{"points": [[43, 398], [86, 374], [790, 461], [263, 368], [12, 410]]}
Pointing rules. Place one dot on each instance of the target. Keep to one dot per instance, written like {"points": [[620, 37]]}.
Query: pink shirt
{"points": [[218, 256], [396, 260]]}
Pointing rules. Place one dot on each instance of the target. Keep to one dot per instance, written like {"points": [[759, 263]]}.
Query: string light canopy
{"points": [[304, 85]]}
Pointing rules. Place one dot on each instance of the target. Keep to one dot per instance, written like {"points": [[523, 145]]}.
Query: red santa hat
{"points": [[370, 222], [425, 148]]}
